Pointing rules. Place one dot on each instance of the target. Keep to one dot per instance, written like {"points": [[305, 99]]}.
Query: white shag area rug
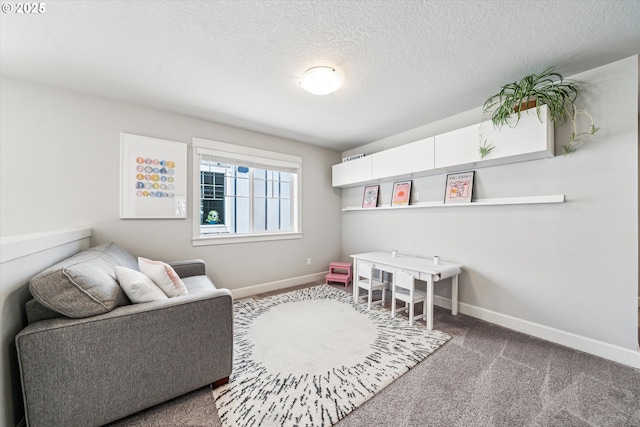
{"points": [[311, 356]]}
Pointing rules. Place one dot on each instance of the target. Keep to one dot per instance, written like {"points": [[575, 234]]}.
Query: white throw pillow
{"points": [[164, 276], [137, 286]]}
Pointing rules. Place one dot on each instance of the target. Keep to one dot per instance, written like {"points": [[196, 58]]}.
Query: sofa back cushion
{"points": [[84, 285], [36, 312]]}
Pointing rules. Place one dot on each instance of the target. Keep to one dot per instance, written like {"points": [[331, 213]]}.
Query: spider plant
{"points": [[575, 137], [547, 88], [483, 148]]}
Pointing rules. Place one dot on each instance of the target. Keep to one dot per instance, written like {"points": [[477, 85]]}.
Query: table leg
{"points": [[454, 295], [354, 280], [429, 303]]}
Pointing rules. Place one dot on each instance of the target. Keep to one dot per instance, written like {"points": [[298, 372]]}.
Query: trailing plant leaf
{"points": [[575, 137], [485, 149], [569, 148]]}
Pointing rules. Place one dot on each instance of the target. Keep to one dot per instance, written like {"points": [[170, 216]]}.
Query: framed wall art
{"points": [[459, 187], [153, 178], [401, 193], [370, 198]]}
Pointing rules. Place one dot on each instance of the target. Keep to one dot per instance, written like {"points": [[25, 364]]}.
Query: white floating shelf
{"points": [[557, 198]]}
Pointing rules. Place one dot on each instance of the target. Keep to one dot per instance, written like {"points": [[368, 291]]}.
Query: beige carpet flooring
{"points": [[485, 376]]}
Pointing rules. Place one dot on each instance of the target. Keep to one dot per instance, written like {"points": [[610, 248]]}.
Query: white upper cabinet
{"points": [[456, 150], [406, 159], [352, 172], [458, 147], [530, 139]]}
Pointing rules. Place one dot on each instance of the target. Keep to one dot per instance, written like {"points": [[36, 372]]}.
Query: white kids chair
{"points": [[404, 289], [368, 282]]}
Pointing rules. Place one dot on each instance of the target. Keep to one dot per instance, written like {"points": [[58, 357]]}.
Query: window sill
{"points": [[207, 240]]}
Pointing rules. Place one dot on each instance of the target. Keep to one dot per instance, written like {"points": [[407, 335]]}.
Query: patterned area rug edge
{"points": [[256, 396]]}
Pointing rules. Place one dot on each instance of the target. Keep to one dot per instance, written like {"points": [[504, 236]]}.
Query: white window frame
{"points": [[254, 157]]}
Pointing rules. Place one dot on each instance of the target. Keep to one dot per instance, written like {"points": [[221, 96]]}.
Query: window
{"points": [[244, 194], [240, 199]]}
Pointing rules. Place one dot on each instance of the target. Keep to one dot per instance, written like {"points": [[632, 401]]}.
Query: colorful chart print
{"points": [[154, 178]]}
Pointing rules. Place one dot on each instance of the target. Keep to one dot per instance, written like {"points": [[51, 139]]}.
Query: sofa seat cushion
{"points": [[85, 284], [198, 284]]}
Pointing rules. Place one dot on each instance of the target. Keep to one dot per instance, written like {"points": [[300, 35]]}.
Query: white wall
{"points": [[60, 168], [566, 272], [20, 259]]}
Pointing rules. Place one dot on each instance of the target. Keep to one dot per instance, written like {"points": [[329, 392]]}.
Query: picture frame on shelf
{"points": [[459, 187], [401, 193], [370, 196]]}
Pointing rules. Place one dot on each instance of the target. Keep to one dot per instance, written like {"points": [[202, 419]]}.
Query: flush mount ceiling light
{"points": [[320, 80]]}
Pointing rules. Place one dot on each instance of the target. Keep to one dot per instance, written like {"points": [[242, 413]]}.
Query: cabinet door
{"points": [[530, 139], [405, 159], [458, 147], [352, 172]]}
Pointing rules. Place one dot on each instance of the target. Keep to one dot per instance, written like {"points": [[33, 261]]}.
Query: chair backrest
{"points": [[404, 280], [365, 270]]}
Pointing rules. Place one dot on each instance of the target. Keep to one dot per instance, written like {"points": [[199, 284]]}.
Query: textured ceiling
{"points": [[405, 63]]}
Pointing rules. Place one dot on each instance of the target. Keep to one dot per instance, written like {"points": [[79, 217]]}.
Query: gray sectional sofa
{"points": [[116, 358]]}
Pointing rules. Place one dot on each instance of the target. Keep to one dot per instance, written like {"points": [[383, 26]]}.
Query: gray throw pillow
{"points": [[85, 284]]}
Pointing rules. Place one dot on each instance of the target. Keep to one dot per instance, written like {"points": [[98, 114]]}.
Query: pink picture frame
{"points": [[401, 193], [459, 187], [370, 196]]}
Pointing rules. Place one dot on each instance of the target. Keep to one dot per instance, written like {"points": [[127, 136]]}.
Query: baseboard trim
{"points": [[567, 339], [277, 285]]}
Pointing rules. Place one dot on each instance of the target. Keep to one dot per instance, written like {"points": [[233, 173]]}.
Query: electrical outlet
{"points": [[308, 261], [416, 196]]}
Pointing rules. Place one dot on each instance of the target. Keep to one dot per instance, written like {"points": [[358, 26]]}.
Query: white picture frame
{"points": [[153, 178]]}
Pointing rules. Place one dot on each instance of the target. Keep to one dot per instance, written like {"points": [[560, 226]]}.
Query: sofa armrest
{"points": [[118, 363], [193, 267]]}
